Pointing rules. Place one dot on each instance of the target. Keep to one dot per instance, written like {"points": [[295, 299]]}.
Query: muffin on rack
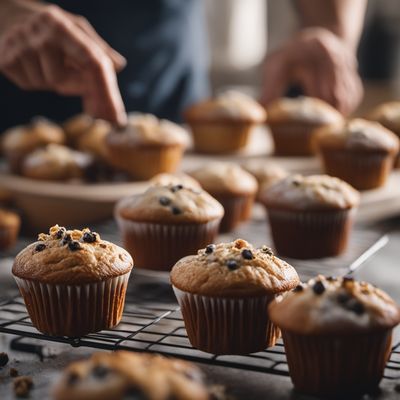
{"points": [[21, 140], [293, 123], [232, 186], [310, 216], [56, 163], [358, 151], [388, 114], [223, 124], [343, 328], [223, 292], [146, 146], [166, 223], [10, 223], [126, 375], [178, 178], [72, 282]]}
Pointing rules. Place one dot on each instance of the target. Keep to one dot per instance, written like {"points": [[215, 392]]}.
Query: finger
{"points": [[31, 65], [16, 74]]}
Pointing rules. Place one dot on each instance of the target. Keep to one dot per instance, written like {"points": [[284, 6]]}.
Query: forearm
{"points": [[343, 17]]}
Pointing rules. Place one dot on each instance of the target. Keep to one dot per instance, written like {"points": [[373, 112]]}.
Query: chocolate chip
{"points": [[331, 279], [176, 210], [13, 372], [164, 201], [72, 379], [210, 248], [66, 239], [397, 387], [348, 278], [176, 188], [247, 254], [89, 237], [343, 298], [3, 359], [74, 245], [298, 288], [355, 306], [60, 233], [295, 182], [232, 264], [100, 371], [318, 288], [267, 250], [40, 247]]}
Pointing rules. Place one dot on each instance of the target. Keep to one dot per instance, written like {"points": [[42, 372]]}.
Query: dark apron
{"points": [[165, 45]]}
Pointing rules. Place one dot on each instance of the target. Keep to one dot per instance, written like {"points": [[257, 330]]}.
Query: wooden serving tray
{"points": [[77, 204]]}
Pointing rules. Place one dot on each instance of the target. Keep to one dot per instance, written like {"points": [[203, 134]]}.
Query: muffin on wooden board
{"points": [[166, 223], [178, 178], [223, 124], [73, 282], [337, 335], [223, 292], [359, 151], [10, 223], [293, 122], [310, 216], [232, 186], [388, 115], [19, 141], [124, 375], [146, 146]]}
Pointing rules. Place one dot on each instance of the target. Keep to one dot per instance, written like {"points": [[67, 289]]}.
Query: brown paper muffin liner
{"points": [[338, 365], [310, 234], [362, 170], [220, 137], [159, 246], [293, 138], [8, 236], [227, 326], [143, 162], [74, 310]]}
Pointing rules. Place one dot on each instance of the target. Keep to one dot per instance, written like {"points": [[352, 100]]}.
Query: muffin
{"points": [[19, 141], [56, 163], [223, 124], [337, 335], [310, 216], [388, 114], [166, 223], [232, 186], [178, 178], [126, 375], [87, 134], [10, 223], [360, 152], [266, 172], [146, 146], [72, 282], [293, 123], [223, 292]]}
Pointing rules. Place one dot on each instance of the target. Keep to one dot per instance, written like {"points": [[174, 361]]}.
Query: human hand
{"points": [[43, 47], [320, 63]]}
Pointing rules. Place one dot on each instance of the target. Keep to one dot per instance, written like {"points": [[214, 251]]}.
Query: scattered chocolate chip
{"points": [[89, 237], [343, 298], [318, 287], [22, 386], [267, 250], [100, 371], [176, 188], [40, 247], [355, 306], [60, 233], [298, 288], [74, 245], [348, 278], [13, 372], [295, 182], [232, 264], [397, 387], [164, 201], [66, 239], [247, 254], [331, 278], [176, 210], [72, 378], [210, 248], [3, 359]]}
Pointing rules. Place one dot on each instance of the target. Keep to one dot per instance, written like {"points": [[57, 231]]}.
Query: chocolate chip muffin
{"points": [[178, 178], [224, 291], [310, 216], [126, 375], [360, 152], [223, 124], [342, 328], [73, 282], [146, 146], [19, 141], [166, 223], [10, 223], [294, 121], [232, 186]]}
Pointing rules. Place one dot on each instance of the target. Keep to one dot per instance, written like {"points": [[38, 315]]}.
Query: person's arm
{"points": [[43, 47], [320, 58]]}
